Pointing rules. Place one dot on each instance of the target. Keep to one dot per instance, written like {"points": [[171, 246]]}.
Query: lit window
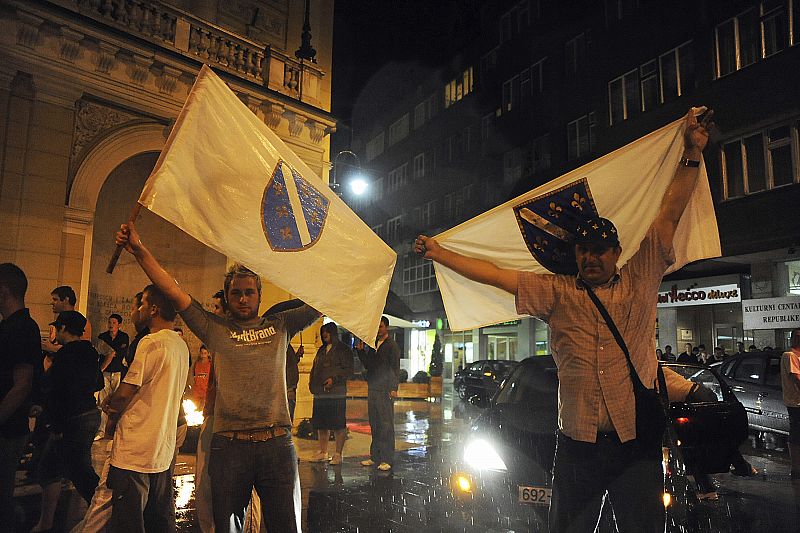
{"points": [[623, 97], [677, 72], [459, 87]]}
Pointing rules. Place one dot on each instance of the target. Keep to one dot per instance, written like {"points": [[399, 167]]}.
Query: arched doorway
{"points": [[197, 268]]}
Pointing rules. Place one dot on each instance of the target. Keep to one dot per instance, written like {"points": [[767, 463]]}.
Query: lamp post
{"points": [[358, 184]]}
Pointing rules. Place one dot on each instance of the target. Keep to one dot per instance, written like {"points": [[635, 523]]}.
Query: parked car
{"points": [[482, 378], [508, 455], [755, 377]]}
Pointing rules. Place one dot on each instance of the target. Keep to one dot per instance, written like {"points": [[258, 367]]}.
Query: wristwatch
{"points": [[686, 162]]}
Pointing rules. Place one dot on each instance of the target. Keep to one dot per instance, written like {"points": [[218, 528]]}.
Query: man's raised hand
{"points": [[128, 237], [426, 247], [696, 133]]}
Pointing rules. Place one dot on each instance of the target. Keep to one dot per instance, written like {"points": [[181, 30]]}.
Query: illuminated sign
{"points": [[422, 323], [720, 294], [771, 313]]}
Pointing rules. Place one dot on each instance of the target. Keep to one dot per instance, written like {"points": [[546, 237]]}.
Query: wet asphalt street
{"points": [[417, 495]]}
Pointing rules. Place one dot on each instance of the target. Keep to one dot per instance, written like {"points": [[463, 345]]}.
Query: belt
{"points": [[255, 435]]}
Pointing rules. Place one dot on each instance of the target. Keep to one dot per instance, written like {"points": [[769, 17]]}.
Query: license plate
{"points": [[535, 495]]}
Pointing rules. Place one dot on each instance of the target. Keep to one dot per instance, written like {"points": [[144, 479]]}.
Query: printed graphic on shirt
{"points": [[547, 224], [293, 211], [253, 336]]}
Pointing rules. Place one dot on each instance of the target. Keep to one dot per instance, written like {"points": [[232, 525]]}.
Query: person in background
{"points": [[147, 403], [668, 355], [333, 365], [660, 355], [752, 348], [383, 378], [112, 345], [70, 384], [201, 370], [719, 355], [20, 352], [687, 355], [62, 299], [739, 348], [703, 357], [790, 383], [292, 375]]}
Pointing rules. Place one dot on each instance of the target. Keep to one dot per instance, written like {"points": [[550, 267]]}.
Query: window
{"points": [[458, 88], [425, 215], [649, 85], [540, 154], [430, 162], [486, 126], [393, 229], [419, 166], [466, 139], [537, 77], [677, 72], [375, 146], [398, 178], [419, 115], [524, 86], [617, 10], [510, 93], [377, 189], [575, 55], [754, 34], [581, 137], [760, 161], [418, 275], [487, 65], [793, 274], [398, 130], [378, 230], [512, 166], [516, 19], [623, 97], [749, 370], [432, 106], [773, 373]]}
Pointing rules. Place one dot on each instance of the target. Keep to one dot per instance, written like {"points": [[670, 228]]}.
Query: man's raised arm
{"points": [[469, 267], [128, 237], [695, 138]]}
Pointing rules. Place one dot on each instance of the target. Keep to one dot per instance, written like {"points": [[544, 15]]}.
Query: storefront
{"points": [[701, 311]]}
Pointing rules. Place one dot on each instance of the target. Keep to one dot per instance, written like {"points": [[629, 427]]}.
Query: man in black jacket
{"points": [[383, 377]]}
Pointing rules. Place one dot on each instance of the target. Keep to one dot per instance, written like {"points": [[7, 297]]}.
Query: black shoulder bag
{"points": [[651, 419]]}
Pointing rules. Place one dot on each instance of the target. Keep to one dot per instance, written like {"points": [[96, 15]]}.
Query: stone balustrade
{"points": [[168, 27]]}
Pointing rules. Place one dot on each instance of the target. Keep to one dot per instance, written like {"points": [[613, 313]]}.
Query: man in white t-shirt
{"points": [[147, 403]]}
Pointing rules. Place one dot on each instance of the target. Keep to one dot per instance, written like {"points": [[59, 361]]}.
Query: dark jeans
{"points": [[70, 455], [141, 502], [381, 424], [10, 452], [236, 466], [583, 472]]}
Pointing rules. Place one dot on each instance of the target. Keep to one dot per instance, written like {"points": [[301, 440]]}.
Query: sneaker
{"points": [[384, 467], [337, 459], [319, 457], [711, 496], [367, 462]]}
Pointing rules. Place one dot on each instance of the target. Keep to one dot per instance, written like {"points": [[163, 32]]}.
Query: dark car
{"points": [[508, 454], [755, 377], [482, 378]]}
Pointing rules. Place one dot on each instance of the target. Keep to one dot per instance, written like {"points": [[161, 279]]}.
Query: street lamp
{"points": [[358, 182]]}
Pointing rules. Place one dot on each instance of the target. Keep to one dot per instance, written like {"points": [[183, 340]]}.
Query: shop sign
{"points": [[771, 313], [720, 294], [422, 323]]}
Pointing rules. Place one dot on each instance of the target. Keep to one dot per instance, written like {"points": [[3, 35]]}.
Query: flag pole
{"points": [[114, 258]]}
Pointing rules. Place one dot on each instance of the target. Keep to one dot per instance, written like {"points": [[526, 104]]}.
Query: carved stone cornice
{"points": [[70, 44], [273, 114], [77, 218], [91, 120], [28, 29], [253, 103], [317, 131], [168, 79], [106, 57], [140, 68], [296, 123]]}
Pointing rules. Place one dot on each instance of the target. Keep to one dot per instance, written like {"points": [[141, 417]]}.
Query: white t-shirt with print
{"points": [[144, 440]]}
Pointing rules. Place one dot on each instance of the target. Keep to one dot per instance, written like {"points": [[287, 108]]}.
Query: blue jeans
{"points": [[584, 471], [236, 466]]}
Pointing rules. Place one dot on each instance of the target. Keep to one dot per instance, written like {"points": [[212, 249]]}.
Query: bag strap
{"points": [[613, 328]]}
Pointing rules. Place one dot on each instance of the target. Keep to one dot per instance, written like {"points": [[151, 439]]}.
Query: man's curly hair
{"points": [[238, 270]]}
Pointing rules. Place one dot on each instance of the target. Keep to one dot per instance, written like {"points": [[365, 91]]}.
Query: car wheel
{"points": [[461, 390]]}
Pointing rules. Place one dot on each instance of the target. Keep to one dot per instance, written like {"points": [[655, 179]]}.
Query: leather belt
{"points": [[255, 435]]}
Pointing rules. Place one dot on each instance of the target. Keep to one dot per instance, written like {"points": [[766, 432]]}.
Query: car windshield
{"points": [[531, 386]]}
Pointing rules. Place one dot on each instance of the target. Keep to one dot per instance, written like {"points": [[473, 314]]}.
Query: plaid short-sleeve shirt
{"points": [[595, 389]]}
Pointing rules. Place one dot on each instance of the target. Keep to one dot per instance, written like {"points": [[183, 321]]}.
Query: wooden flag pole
{"points": [[114, 258]]}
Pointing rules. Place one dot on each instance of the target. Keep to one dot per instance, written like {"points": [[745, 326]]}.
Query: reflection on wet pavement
{"points": [[417, 495]]}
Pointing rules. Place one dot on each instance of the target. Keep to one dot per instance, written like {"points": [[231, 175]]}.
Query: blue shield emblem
{"points": [[547, 224], [293, 211]]}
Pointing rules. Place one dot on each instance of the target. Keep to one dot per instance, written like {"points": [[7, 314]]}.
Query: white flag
{"points": [[531, 232], [230, 182]]}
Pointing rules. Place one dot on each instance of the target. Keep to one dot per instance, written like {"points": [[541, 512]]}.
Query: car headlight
{"points": [[481, 455]]}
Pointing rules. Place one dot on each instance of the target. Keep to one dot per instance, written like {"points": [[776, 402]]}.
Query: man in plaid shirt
{"points": [[597, 449]]}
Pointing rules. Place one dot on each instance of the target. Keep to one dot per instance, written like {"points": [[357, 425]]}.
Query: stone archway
{"points": [[111, 151]]}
